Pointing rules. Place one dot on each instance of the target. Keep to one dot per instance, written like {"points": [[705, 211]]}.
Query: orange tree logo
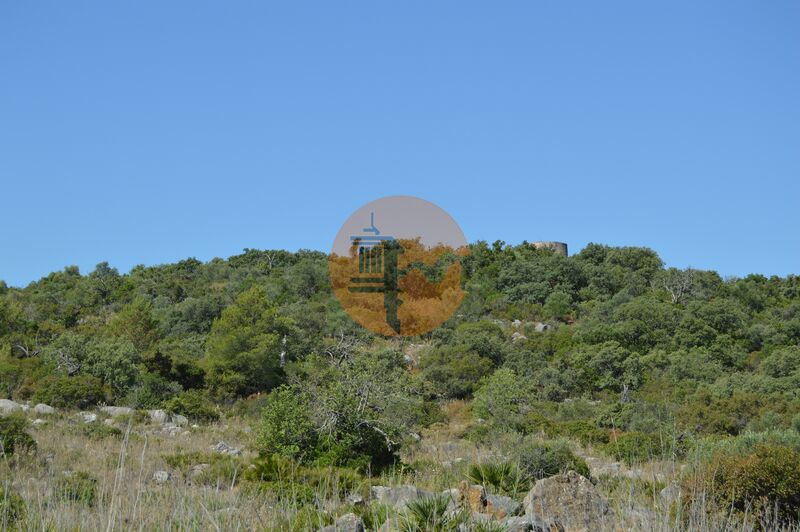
{"points": [[395, 266]]}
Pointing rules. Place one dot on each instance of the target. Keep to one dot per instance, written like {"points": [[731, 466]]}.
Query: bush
{"points": [[151, 392], [77, 486], [220, 470], [539, 459], [13, 437], [452, 371], [80, 391], [430, 513], [583, 431], [504, 477], [286, 428], [766, 479], [12, 508], [634, 447], [283, 476], [96, 431], [194, 404]]}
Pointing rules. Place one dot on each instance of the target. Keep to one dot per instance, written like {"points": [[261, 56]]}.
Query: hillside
{"points": [[248, 398]]}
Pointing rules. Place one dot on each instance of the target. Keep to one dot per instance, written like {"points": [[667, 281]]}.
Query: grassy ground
{"points": [[123, 462]]}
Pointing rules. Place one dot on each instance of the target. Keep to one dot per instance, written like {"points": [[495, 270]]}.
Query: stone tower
{"points": [[559, 248]]}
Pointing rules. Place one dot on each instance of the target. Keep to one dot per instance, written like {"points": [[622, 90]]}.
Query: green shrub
{"points": [[503, 477], [60, 391], [13, 436], [280, 475], [430, 514], [766, 479], [539, 459], [151, 391], [583, 431], [286, 428], [194, 404], [12, 508], [97, 431], [534, 423], [77, 486], [220, 470], [633, 447], [373, 515]]}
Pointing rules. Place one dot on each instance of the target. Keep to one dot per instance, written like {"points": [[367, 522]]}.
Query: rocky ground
{"points": [[154, 470]]}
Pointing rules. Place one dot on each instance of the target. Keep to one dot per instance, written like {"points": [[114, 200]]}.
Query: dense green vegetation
{"points": [[638, 360]]}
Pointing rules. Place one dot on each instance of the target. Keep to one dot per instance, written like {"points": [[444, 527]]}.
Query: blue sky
{"points": [[147, 132]]}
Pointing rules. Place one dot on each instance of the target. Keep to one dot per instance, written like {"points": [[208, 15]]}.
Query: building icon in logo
{"points": [[377, 268], [395, 266]]}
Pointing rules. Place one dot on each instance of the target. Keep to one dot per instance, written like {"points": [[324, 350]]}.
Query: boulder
{"points": [[224, 448], [39, 421], [87, 417], [346, 523], [670, 494], [196, 470], [43, 409], [397, 497], [169, 429], [162, 477], [518, 336], [523, 523], [158, 416], [7, 406], [180, 420], [116, 411], [571, 500], [475, 498], [501, 506]]}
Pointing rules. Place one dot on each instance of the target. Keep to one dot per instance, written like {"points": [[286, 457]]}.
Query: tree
{"points": [[286, 427], [558, 305], [137, 323], [243, 351]]}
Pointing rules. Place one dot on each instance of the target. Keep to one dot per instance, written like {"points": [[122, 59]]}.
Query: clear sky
{"points": [[147, 132]]}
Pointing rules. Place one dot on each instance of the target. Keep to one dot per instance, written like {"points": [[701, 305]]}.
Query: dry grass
{"points": [[129, 498]]}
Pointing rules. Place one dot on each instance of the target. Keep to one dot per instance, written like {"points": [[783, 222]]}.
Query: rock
{"points": [[158, 416], [180, 420], [670, 494], [196, 470], [501, 506], [472, 497], [452, 499], [475, 498], [346, 523], [109, 422], [523, 523], [43, 409], [355, 499], [541, 327], [398, 497], [87, 417], [39, 421], [116, 411], [169, 429], [162, 477], [7, 406], [224, 448], [516, 324], [517, 336], [570, 500]]}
